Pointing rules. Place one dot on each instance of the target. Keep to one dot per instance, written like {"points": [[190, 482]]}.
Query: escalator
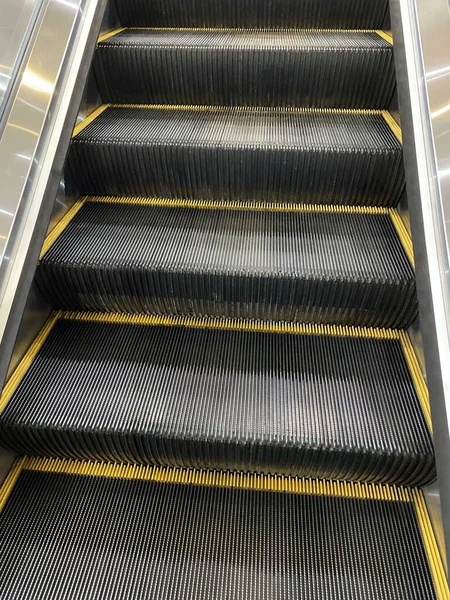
{"points": [[225, 401]]}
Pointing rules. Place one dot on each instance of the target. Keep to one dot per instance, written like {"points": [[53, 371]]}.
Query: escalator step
{"points": [[268, 155], [259, 14], [325, 69], [325, 267], [296, 404], [78, 536]]}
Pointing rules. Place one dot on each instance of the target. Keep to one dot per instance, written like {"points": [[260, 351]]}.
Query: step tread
{"points": [[316, 406], [342, 131], [245, 242], [250, 39], [340, 268], [198, 542]]}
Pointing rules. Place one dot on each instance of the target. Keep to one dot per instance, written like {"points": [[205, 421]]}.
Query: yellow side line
{"points": [[386, 36], [26, 361], [59, 228], [94, 114], [249, 481], [106, 36], [234, 325], [237, 205], [417, 377], [395, 127], [431, 548], [403, 234], [10, 481]]}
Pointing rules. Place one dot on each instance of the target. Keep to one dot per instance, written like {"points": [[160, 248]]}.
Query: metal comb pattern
{"points": [[329, 14], [82, 537], [246, 68], [335, 268], [313, 406], [268, 155]]}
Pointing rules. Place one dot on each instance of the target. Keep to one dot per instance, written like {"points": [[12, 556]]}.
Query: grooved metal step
{"points": [[260, 14], [268, 155], [322, 69], [75, 536], [323, 267], [308, 405]]}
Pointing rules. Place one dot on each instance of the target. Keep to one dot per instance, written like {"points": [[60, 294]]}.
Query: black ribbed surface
{"points": [[240, 154], [325, 14], [83, 537], [247, 68], [316, 406], [345, 269]]}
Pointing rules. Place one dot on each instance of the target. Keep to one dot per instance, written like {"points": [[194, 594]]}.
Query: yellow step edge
{"points": [[206, 205], [404, 235], [238, 480], [257, 29], [386, 35], [234, 324], [110, 34], [91, 117], [61, 226], [431, 548], [238, 205], [10, 481], [394, 126], [203, 107], [23, 366], [417, 377]]}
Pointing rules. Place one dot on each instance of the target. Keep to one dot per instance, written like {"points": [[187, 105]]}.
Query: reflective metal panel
{"points": [[34, 144], [18, 18], [422, 51]]}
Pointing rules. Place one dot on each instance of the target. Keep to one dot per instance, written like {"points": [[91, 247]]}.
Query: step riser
{"points": [[221, 173], [305, 14], [188, 294], [326, 78]]}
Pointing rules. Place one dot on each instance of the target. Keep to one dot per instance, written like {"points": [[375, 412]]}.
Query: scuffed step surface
{"points": [[69, 536], [336, 268], [231, 154], [314, 406], [246, 68], [325, 14]]}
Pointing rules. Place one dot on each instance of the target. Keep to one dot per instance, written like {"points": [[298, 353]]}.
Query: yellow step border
{"points": [[110, 34], [214, 478], [386, 35], [393, 125], [247, 481], [226, 324], [432, 551], [29, 356], [198, 108], [397, 221]]}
